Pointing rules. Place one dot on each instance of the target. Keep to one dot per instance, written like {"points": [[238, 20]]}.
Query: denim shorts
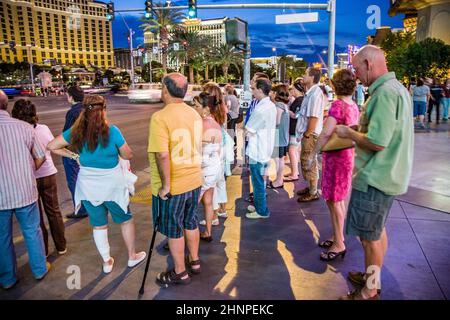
{"points": [[367, 213], [176, 214], [420, 107], [98, 215]]}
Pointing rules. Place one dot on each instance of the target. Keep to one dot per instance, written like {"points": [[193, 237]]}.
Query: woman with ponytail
{"points": [[220, 197], [104, 181]]}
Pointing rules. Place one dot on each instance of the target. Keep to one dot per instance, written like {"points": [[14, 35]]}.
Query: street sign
{"points": [[297, 18], [176, 46], [245, 99]]}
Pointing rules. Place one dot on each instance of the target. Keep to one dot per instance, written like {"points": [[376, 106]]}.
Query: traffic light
{"points": [[12, 46], [110, 11], [192, 11], [148, 9]]}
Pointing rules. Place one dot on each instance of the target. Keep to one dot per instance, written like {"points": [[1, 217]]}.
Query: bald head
{"points": [[3, 100], [370, 53], [370, 64], [176, 85]]}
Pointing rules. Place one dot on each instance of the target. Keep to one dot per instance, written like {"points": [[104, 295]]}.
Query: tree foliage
{"points": [[407, 58], [396, 47]]}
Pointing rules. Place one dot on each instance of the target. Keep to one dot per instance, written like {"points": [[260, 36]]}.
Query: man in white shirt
{"points": [[260, 130], [309, 126]]}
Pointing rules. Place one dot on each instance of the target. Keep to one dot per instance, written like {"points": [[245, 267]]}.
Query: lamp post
{"points": [[30, 62], [276, 62]]}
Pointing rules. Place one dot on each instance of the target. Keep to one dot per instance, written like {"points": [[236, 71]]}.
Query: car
{"points": [[145, 93], [11, 92], [28, 92], [151, 93], [96, 90]]}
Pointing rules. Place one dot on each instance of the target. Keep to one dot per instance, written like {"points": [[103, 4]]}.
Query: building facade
{"points": [[56, 32], [214, 28], [428, 18], [122, 58]]}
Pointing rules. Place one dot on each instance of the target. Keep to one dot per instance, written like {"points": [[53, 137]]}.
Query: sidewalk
{"points": [[271, 259]]}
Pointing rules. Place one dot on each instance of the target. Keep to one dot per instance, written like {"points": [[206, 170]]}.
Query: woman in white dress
{"points": [[208, 108]]}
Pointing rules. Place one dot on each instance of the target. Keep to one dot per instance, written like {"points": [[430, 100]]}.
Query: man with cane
{"points": [[176, 178]]}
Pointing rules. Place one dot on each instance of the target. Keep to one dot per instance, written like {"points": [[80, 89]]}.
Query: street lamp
{"points": [[276, 62]]}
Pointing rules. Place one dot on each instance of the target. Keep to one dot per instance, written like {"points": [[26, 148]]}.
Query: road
{"points": [[132, 119]]}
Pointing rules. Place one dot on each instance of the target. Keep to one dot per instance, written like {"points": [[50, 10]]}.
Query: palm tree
{"points": [[162, 22], [226, 56], [191, 50]]}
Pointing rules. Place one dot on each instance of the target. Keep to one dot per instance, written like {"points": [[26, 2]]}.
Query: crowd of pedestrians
{"points": [[365, 148]]}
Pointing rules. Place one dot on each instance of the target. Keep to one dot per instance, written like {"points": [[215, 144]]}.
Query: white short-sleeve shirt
{"points": [[312, 106]]}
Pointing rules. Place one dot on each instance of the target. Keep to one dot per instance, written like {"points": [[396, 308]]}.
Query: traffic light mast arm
{"points": [[315, 6]]}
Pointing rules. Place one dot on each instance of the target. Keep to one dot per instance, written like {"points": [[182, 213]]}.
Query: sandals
{"points": [[326, 243], [207, 239], [171, 277], [271, 186], [303, 191], [191, 264], [308, 197], [357, 295], [331, 255]]}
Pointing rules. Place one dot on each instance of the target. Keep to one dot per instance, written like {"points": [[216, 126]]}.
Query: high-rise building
{"points": [[56, 31], [427, 18], [214, 28]]}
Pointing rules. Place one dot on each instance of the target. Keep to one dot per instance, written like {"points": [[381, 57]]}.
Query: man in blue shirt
{"points": [[75, 96]]}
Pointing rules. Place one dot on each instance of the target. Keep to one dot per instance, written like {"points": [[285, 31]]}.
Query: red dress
{"points": [[337, 166]]}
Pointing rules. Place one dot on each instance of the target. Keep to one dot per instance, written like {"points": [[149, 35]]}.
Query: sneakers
{"points": [[251, 208], [9, 287], [62, 252], [107, 268], [255, 215], [141, 257], [215, 222], [222, 214], [49, 267], [77, 216]]}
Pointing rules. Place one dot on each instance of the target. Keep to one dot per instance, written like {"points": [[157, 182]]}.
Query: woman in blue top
{"points": [[101, 184], [421, 95]]}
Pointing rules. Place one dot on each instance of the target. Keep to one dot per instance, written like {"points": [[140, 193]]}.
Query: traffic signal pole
{"points": [[330, 6]]}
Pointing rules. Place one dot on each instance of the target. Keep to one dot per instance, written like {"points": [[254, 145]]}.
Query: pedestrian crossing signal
{"points": [[148, 9], [110, 11], [192, 11]]}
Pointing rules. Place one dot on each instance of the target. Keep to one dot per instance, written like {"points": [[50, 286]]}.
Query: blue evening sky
{"points": [[306, 40]]}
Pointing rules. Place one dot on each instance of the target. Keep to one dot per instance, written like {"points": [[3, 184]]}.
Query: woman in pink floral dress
{"points": [[337, 166]]}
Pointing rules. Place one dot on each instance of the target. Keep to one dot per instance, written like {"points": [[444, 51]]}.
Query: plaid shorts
{"points": [[367, 213], [177, 213]]}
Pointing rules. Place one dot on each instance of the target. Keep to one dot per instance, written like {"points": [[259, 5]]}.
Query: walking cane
{"points": [[152, 243]]}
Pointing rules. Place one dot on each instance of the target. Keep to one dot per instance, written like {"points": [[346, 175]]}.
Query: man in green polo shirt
{"points": [[383, 164]]}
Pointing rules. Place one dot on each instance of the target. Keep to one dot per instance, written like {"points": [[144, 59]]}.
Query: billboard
{"points": [[351, 51]]}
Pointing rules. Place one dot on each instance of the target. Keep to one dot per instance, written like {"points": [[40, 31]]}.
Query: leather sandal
{"points": [[171, 277], [326, 243], [191, 264], [331, 255], [303, 191]]}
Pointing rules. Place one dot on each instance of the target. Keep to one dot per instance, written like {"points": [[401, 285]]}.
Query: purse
{"points": [[335, 143]]}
